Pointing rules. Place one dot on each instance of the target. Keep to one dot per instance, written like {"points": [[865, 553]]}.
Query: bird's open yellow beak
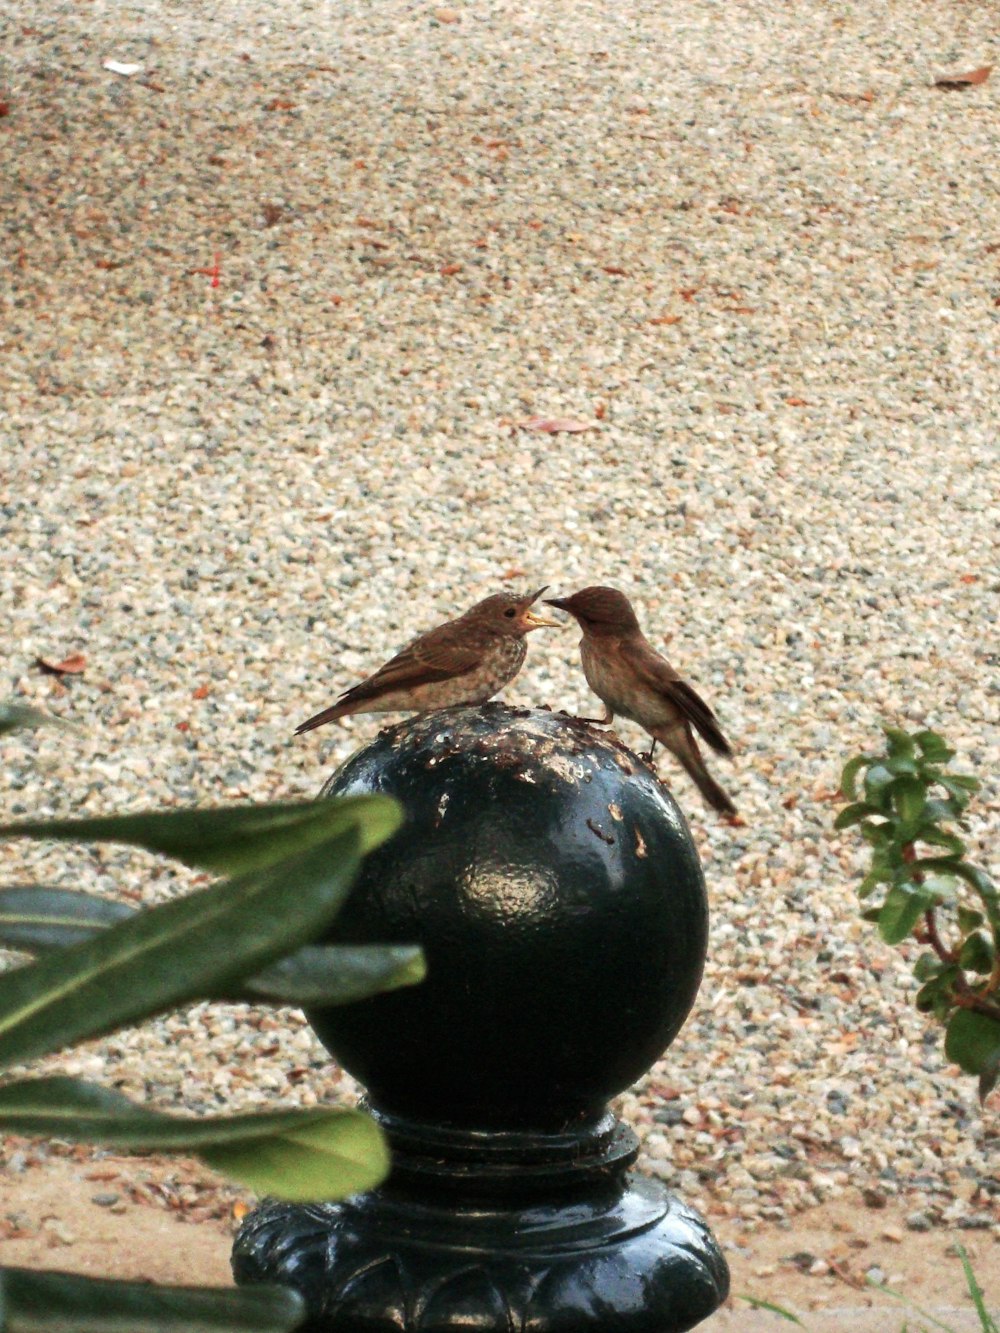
{"points": [[537, 622]]}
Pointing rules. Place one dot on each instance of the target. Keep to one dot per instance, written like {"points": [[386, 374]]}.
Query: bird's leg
{"points": [[600, 721], [648, 756]]}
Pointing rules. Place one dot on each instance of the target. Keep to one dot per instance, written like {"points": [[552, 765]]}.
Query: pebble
{"points": [[235, 485]]}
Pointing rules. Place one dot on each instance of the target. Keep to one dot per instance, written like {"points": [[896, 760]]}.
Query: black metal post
{"points": [[554, 886]]}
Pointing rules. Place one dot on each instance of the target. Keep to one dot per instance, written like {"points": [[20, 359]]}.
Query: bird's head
{"points": [[599, 610], [507, 614]]}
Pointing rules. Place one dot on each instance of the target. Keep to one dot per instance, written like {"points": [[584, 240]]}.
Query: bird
{"points": [[464, 661], [633, 680]]}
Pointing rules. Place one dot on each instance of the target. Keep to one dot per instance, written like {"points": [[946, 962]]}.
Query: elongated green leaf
{"points": [[908, 798], [310, 1163], [854, 814], [972, 1040], [976, 1292], [938, 837], [54, 1302], [933, 747], [877, 780], [15, 716], [901, 743], [756, 1303], [334, 974], [848, 778], [181, 950], [900, 912], [299, 1155], [35, 918], [229, 838]]}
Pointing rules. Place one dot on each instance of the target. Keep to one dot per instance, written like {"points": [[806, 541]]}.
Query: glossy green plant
{"points": [[102, 965], [906, 803]]}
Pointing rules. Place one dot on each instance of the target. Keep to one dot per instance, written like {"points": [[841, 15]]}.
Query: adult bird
{"points": [[463, 661], [633, 680]]}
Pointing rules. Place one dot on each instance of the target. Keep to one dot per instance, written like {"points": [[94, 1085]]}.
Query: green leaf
{"points": [[38, 1301], [933, 747], [878, 835], [972, 1040], [969, 919], [34, 919], [977, 954], [976, 1292], [37, 920], [927, 966], [848, 779], [871, 914], [229, 838], [334, 974], [988, 1079], [870, 883], [901, 743], [182, 950], [298, 1155], [937, 837], [877, 780], [932, 995], [900, 912], [15, 716], [756, 1303], [854, 814], [908, 799]]}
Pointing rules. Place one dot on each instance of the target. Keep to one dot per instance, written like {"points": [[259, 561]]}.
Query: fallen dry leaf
{"points": [[449, 270], [69, 666], [956, 82], [4, 108], [279, 104], [615, 270], [666, 319], [555, 425], [797, 402]]}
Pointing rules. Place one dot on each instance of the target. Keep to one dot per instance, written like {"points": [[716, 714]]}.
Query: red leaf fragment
{"points": [[449, 270], [279, 104], [797, 402], [202, 692], [73, 665], [666, 319], [4, 108], [956, 82], [555, 425]]}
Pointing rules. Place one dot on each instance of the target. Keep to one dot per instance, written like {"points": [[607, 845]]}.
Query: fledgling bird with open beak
{"points": [[632, 680], [463, 661]]}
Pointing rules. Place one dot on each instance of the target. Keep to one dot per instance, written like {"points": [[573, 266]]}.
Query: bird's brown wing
{"points": [[657, 672], [437, 655]]}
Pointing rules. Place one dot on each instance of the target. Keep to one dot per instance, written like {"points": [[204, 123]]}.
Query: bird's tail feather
{"points": [[330, 714], [684, 747]]}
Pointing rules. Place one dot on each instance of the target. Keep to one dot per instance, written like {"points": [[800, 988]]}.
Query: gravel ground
{"points": [[274, 307]]}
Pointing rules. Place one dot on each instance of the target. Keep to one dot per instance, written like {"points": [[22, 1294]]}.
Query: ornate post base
{"points": [[497, 1232]]}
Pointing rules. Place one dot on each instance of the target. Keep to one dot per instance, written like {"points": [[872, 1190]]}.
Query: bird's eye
{"points": [[511, 613]]}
